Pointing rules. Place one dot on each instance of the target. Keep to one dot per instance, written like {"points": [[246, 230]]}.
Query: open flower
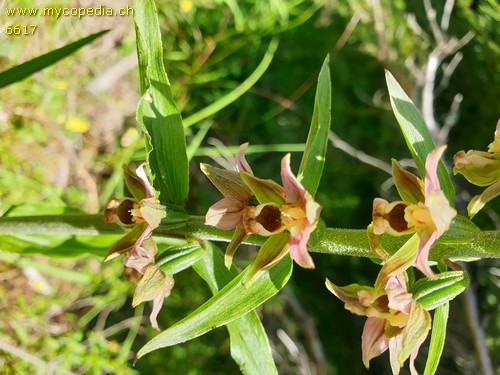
{"points": [[228, 212], [425, 209], [289, 208], [139, 215], [255, 206], [395, 320]]}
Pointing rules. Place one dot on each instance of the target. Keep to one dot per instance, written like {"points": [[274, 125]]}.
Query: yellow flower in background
{"points": [[77, 124]]}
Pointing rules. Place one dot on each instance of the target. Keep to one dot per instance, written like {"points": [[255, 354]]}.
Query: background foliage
{"points": [[67, 130]]}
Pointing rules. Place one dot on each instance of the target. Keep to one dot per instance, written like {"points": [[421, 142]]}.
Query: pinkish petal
{"points": [[431, 181], [441, 212], [241, 162], [158, 300], [142, 256], [139, 263], [146, 233], [141, 173], [295, 192], [298, 245], [225, 214], [395, 348], [313, 210], [426, 242], [373, 340], [398, 296]]}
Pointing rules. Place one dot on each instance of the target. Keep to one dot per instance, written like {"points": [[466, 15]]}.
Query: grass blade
{"points": [[24, 70], [311, 166]]}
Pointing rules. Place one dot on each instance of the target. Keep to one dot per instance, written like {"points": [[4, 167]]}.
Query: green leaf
{"points": [[461, 231], [437, 339], [157, 112], [416, 133], [249, 344], [57, 245], [179, 258], [311, 166], [431, 293], [230, 303], [24, 70]]}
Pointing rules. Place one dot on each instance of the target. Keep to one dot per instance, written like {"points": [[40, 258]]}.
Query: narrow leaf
{"points": [[232, 302], [437, 339], [311, 166], [238, 91], [24, 70], [416, 133], [157, 112], [249, 344], [179, 258]]}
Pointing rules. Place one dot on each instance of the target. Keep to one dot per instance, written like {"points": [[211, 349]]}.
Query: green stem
{"points": [[351, 242]]}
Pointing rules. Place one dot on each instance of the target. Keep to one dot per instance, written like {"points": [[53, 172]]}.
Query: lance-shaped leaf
{"points": [[157, 112], [416, 133], [21, 71], [232, 302], [249, 344], [433, 293], [437, 338], [177, 259], [311, 165]]}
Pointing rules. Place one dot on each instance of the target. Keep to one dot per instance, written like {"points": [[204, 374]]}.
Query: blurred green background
{"points": [[66, 131]]}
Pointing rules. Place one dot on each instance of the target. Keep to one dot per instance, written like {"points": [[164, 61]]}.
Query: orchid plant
{"points": [[158, 239]]}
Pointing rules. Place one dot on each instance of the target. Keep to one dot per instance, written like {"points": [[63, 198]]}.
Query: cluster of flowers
{"points": [[288, 215], [395, 321], [140, 215]]}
